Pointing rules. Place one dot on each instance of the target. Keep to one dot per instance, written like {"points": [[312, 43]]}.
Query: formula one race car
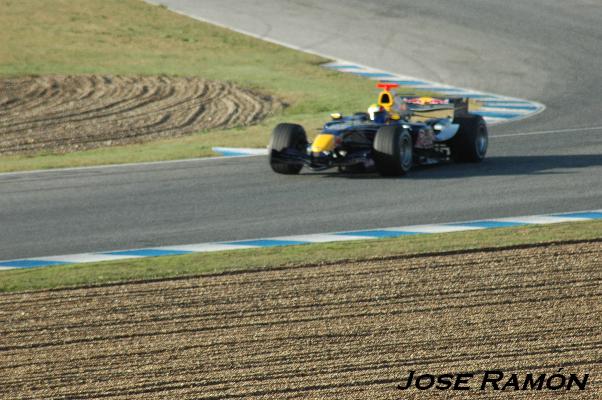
{"points": [[395, 134]]}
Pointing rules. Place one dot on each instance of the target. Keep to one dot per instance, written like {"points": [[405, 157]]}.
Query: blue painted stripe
{"points": [[591, 215], [378, 233], [148, 253], [267, 243], [31, 263], [489, 224], [373, 74], [367, 234], [231, 153], [494, 114]]}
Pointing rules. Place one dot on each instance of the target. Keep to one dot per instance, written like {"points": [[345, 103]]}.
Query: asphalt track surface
{"points": [[543, 50]]}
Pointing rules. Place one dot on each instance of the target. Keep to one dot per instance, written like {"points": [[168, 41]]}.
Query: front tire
{"points": [[393, 151], [286, 137], [471, 141]]}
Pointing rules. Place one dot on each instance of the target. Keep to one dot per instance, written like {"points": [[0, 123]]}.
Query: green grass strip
{"points": [[205, 263], [133, 38]]}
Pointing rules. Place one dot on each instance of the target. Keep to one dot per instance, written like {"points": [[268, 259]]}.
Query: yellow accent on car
{"points": [[323, 142]]}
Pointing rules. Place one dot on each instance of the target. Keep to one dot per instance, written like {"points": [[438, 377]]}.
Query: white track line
{"points": [[311, 238], [125, 165], [433, 228], [204, 247], [84, 258], [541, 219], [320, 238]]}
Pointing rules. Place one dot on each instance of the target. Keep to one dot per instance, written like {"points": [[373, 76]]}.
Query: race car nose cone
{"points": [[323, 142]]}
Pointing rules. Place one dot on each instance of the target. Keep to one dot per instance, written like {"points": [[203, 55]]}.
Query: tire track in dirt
{"points": [[350, 330], [69, 113]]}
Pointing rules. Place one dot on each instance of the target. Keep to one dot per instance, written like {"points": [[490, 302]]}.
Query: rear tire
{"points": [[471, 141], [286, 136], [393, 151]]}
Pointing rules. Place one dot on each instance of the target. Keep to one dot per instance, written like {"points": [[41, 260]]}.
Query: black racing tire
{"points": [[286, 136], [393, 151], [469, 145]]}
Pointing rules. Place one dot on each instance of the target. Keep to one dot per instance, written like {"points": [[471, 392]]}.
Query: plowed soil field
{"points": [[69, 113], [344, 331]]}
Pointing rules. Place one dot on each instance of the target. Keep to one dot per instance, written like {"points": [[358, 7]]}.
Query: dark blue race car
{"points": [[395, 134]]}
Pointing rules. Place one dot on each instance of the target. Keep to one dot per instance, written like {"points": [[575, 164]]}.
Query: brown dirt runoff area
{"points": [[343, 331], [68, 113]]}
